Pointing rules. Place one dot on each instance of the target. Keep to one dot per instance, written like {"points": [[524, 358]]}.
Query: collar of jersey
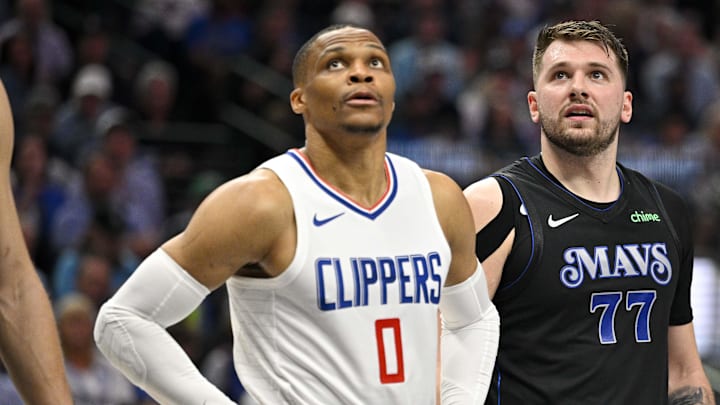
{"points": [[369, 212], [543, 171]]}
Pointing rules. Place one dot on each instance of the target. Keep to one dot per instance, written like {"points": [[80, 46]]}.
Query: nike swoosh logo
{"points": [[321, 222], [554, 223]]}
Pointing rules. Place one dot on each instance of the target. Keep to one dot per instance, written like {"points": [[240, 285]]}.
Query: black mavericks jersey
{"points": [[588, 291]]}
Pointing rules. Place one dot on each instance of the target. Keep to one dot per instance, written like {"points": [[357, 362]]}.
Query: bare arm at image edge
{"points": [[29, 342]]}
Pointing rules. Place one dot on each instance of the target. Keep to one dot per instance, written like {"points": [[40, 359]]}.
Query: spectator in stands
{"points": [[93, 278], [706, 188], [37, 115], [92, 379], [683, 74], [211, 43], [17, 69], [50, 44], [427, 45], [77, 117], [79, 268], [140, 190], [155, 96], [159, 25], [38, 196], [427, 112], [93, 197]]}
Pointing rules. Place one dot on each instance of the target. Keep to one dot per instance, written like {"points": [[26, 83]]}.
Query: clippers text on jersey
{"points": [[362, 281]]}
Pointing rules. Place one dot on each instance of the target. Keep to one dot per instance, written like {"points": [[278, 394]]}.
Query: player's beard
{"points": [[559, 134]]}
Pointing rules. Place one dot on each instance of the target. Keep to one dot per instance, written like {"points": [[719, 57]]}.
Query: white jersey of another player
{"points": [[353, 319]]}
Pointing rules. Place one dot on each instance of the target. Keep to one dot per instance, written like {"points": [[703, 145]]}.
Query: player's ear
{"points": [[627, 108], [297, 100], [533, 106]]}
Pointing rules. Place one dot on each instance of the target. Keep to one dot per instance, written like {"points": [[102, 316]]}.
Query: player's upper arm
{"points": [[456, 221], [485, 198], [244, 221]]}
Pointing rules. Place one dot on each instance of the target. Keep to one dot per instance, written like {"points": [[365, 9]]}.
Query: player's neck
{"points": [[593, 178], [358, 173]]}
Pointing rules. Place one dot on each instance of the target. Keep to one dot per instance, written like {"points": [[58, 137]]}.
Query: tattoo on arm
{"points": [[688, 396]]}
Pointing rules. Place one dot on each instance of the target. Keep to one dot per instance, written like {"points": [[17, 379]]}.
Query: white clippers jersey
{"points": [[353, 319]]}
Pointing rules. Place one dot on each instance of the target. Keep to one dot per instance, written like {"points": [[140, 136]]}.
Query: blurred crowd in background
{"points": [[128, 113]]}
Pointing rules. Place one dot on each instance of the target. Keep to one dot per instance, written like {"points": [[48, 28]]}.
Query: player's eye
{"points": [[335, 64], [560, 75], [598, 75], [377, 63]]}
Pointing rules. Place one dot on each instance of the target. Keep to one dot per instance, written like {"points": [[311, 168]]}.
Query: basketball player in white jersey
{"points": [[336, 257], [29, 342]]}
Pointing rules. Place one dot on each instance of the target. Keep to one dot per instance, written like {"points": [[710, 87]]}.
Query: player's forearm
{"points": [[29, 342], [468, 358], [692, 395], [130, 332], [687, 382], [469, 342], [150, 358]]}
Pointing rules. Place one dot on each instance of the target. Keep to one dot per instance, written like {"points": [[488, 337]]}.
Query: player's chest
{"points": [[630, 244]]}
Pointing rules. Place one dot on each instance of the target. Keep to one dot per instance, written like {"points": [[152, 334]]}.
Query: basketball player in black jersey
{"points": [[589, 262]]}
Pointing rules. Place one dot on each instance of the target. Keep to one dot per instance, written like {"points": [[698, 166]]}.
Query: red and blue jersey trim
{"points": [[370, 212]]}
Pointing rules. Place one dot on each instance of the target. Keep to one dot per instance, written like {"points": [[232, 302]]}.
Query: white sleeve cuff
{"points": [[469, 341]]}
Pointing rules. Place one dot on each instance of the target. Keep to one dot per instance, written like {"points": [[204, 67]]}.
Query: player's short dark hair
{"points": [[580, 31], [299, 66]]}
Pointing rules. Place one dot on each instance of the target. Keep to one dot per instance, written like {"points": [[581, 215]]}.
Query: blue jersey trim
{"points": [[568, 192], [369, 213], [532, 237]]}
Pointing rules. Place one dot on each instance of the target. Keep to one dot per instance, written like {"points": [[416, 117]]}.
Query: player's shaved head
{"points": [[299, 66]]}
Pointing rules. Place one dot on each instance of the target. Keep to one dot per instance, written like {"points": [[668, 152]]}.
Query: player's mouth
{"points": [[361, 98], [579, 112]]}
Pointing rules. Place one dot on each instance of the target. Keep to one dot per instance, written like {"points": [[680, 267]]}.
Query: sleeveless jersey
{"points": [[353, 319], [588, 294]]}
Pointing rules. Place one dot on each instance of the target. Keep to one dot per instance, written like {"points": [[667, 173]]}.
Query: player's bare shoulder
{"points": [[258, 201], [450, 203], [446, 192], [244, 221], [456, 220], [485, 199]]}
